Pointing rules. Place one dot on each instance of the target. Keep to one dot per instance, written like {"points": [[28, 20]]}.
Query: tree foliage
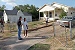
{"points": [[2, 7], [30, 9], [63, 13]]}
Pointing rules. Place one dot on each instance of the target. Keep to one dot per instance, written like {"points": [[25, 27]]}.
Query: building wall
{"points": [[71, 12], [57, 13], [47, 8], [13, 18], [28, 18], [19, 13]]}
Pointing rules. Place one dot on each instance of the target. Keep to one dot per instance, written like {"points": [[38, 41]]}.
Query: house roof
{"points": [[53, 6], [27, 14], [59, 4], [14, 12], [11, 12], [1, 13]]}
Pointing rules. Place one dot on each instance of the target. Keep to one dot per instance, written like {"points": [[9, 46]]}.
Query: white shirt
{"points": [[24, 25]]}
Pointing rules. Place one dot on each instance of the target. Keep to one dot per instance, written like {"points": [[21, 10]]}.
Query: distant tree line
{"points": [[2, 7], [29, 9]]}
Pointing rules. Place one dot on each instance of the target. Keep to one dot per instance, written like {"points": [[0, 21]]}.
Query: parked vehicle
{"points": [[66, 21]]}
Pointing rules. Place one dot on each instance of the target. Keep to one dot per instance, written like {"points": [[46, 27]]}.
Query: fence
{"points": [[64, 34]]}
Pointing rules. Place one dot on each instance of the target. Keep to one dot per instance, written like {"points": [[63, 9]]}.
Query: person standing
{"points": [[47, 21], [25, 27], [2, 25], [19, 23]]}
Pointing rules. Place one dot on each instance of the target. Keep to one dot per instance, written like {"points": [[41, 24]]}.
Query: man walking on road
{"points": [[19, 23]]}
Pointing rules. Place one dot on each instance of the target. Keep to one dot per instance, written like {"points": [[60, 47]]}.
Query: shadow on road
{"points": [[15, 41]]}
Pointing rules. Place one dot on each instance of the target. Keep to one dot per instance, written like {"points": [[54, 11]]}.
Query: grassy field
{"points": [[40, 47], [31, 25], [35, 24]]}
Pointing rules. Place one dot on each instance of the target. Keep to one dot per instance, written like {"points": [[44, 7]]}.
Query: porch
{"points": [[51, 12]]}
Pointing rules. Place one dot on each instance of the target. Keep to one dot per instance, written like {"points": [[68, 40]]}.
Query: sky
{"points": [[38, 3]]}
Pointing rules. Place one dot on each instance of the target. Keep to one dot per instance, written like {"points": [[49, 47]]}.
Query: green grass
{"points": [[35, 24], [40, 47]]}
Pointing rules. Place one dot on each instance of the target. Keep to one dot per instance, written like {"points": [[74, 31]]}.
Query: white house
{"points": [[13, 15], [54, 10]]}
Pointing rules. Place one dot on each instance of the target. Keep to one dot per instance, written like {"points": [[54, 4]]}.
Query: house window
{"points": [[74, 18], [50, 13], [55, 14]]}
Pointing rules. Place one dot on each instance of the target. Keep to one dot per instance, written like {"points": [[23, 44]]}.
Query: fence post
{"points": [[65, 35], [0, 27], [70, 30], [54, 28]]}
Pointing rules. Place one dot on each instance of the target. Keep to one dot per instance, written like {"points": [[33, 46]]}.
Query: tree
{"points": [[2, 7], [63, 13], [29, 9]]}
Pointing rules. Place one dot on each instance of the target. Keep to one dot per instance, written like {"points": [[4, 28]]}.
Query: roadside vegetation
{"points": [[63, 13], [35, 24], [40, 47]]}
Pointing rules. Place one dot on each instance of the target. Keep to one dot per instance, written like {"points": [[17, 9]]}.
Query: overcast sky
{"points": [[38, 3]]}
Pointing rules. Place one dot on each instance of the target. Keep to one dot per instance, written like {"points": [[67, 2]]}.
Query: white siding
{"points": [[12, 18], [58, 12], [28, 18], [47, 8], [19, 13], [71, 10]]}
